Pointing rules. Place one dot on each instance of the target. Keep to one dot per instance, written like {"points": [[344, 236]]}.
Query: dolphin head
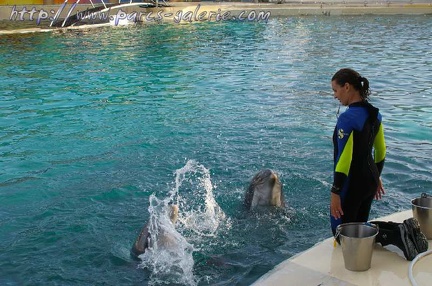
{"points": [[265, 189]]}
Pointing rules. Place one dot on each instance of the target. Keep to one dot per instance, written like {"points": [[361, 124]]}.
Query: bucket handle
{"points": [[337, 233], [336, 236]]}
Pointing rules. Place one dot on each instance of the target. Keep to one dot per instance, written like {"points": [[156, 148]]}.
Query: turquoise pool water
{"points": [[100, 129]]}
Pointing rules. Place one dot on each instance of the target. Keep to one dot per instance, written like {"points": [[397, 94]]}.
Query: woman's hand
{"points": [[380, 190], [336, 206]]}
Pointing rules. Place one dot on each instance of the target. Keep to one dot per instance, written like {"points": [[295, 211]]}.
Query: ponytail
{"points": [[355, 79]]}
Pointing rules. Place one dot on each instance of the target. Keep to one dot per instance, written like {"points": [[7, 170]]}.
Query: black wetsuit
{"points": [[356, 171]]}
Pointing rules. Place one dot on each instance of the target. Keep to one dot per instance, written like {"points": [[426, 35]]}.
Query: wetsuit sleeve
{"points": [[344, 142], [379, 149]]}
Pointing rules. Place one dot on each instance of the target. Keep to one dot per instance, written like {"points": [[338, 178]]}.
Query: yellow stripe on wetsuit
{"points": [[379, 145], [344, 162]]}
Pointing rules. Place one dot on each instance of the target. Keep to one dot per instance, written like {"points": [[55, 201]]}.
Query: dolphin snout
{"points": [[174, 213]]}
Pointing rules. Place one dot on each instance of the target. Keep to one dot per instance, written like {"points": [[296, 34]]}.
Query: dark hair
{"points": [[352, 77]]}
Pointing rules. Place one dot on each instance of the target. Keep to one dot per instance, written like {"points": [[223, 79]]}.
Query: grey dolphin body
{"points": [[143, 240], [265, 189]]}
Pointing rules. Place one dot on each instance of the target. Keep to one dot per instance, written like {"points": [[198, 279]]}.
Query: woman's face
{"points": [[341, 92]]}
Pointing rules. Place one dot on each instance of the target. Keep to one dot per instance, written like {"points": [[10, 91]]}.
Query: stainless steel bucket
{"points": [[422, 211], [357, 240]]}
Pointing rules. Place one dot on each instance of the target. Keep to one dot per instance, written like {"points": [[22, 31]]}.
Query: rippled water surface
{"points": [[100, 130]]}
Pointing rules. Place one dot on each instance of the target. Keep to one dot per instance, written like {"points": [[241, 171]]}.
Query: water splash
{"points": [[169, 257], [193, 192]]}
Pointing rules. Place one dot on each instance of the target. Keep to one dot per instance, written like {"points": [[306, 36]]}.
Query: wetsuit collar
{"points": [[359, 103]]}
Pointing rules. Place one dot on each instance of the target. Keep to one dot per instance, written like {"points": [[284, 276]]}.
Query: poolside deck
{"points": [[323, 264]]}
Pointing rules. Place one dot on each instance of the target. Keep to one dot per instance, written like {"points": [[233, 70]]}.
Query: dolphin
{"points": [[265, 189], [143, 240]]}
